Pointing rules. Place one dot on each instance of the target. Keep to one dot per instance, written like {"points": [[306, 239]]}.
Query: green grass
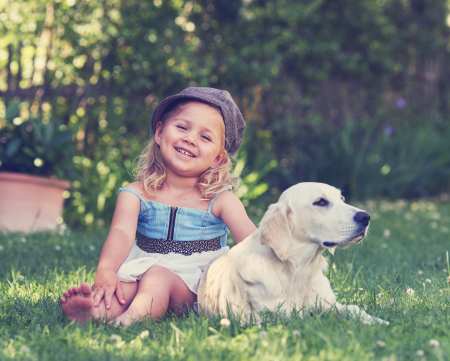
{"points": [[406, 249]]}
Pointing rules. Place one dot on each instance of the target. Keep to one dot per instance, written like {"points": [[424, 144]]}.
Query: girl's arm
{"points": [[232, 211], [116, 248], [121, 233]]}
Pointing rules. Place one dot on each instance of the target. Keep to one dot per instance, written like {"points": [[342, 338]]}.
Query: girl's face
{"points": [[191, 140]]}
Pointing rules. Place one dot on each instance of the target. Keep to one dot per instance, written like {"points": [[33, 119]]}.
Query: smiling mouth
{"points": [[185, 152]]}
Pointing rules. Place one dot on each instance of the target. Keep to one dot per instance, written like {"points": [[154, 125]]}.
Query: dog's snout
{"points": [[362, 218]]}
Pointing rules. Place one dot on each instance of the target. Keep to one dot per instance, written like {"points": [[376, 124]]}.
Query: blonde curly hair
{"points": [[151, 170]]}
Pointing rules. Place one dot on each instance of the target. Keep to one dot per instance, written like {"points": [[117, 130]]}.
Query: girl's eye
{"points": [[182, 127], [321, 202], [205, 137]]}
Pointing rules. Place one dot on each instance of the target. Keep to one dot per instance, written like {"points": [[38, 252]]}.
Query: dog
{"points": [[280, 266]]}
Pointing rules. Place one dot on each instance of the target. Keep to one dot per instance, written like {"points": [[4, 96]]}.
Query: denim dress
{"points": [[183, 240]]}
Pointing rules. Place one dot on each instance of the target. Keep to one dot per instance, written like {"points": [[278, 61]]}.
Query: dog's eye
{"points": [[321, 202]]}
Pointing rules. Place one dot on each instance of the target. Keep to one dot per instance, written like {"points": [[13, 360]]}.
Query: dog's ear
{"points": [[275, 230]]}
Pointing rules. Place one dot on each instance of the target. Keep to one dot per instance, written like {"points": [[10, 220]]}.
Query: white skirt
{"points": [[188, 268]]}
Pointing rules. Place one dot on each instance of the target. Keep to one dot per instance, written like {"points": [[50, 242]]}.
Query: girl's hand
{"points": [[105, 286]]}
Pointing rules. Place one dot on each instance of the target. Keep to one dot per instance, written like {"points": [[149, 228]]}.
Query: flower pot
{"points": [[30, 203]]}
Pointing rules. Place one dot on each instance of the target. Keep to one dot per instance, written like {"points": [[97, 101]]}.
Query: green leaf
{"points": [[12, 147], [12, 111]]}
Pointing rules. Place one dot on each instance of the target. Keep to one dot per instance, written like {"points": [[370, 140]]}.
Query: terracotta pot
{"points": [[30, 203]]}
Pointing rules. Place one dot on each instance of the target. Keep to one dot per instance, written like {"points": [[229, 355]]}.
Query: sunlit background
{"points": [[355, 93]]}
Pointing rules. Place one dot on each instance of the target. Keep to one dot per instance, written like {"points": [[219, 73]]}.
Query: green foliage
{"points": [[318, 82], [33, 145], [399, 274], [366, 158], [110, 169]]}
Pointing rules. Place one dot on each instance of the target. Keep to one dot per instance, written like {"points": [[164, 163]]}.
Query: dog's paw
{"points": [[371, 320], [379, 321], [356, 312]]}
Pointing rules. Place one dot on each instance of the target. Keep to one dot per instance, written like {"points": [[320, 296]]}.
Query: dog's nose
{"points": [[362, 218]]}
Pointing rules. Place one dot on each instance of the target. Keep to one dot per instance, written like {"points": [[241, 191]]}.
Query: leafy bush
{"points": [[366, 158], [34, 146]]}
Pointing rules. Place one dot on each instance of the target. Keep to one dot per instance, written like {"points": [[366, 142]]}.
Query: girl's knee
{"points": [[156, 272], [157, 275], [169, 281]]}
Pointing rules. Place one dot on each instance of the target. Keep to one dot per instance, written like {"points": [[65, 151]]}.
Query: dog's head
{"points": [[312, 213]]}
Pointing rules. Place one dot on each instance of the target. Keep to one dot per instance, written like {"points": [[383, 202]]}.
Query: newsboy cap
{"points": [[232, 116]]}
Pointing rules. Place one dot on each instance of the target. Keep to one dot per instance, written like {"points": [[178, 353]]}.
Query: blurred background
{"points": [[355, 93]]}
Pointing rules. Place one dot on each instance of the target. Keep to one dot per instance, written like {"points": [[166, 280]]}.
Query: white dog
{"points": [[280, 266]]}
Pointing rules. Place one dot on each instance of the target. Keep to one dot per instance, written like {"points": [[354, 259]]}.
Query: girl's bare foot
{"points": [[140, 309], [121, 320], [77, 303], [126, 319]]}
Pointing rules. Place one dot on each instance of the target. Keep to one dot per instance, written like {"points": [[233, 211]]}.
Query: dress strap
{"points": [[134, 192], [213, 199]]}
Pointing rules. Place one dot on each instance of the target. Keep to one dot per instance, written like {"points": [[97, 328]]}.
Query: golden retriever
{"points": [[280, 266]]}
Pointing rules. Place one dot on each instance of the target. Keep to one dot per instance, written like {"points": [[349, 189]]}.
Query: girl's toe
{"points": [[85, 289]]}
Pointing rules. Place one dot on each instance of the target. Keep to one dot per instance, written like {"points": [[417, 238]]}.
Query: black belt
{"points": [[186, 248]]}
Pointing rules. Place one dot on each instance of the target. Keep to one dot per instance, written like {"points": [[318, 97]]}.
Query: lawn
{"points": [[399, 273]]}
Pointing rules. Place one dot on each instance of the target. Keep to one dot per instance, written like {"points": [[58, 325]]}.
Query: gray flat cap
{"points": [[232, 116]]}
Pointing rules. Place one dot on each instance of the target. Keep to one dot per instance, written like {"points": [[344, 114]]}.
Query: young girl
{"points": [[173, 221]]}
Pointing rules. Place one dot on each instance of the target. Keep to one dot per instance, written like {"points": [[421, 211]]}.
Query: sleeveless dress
{"points": [[183, 240]]}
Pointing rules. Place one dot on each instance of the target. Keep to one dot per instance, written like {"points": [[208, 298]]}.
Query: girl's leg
{"points": [[158, 290], [77, 303]]}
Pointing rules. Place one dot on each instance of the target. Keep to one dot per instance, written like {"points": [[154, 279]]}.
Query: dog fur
{"points": [[280, 266]]}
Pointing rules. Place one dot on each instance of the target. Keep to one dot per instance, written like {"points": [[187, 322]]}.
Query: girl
{"points": [[173, 220]]}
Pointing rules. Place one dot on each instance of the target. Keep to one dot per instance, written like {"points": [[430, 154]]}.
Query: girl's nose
{"points": [[189, 138]]}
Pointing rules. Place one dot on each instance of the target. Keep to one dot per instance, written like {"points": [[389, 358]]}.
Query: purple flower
{"points": [[388, 130], [400, 103]]}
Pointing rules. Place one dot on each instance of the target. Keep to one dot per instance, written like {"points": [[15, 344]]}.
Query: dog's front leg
{"points": [[356, 312]]}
